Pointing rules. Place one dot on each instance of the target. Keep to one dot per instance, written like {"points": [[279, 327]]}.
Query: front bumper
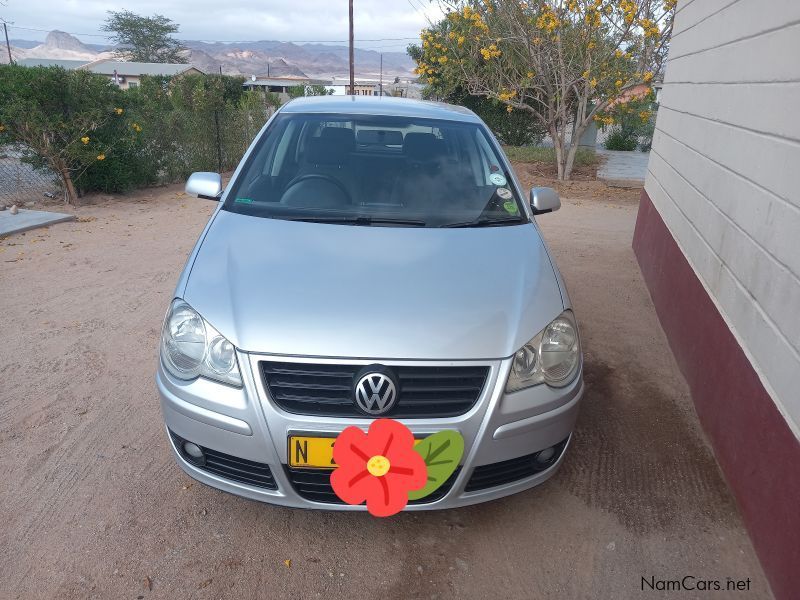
{"points": [[245, 423]]}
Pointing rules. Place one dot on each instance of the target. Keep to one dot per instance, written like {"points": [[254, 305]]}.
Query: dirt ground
{"points": [[92, 504]]}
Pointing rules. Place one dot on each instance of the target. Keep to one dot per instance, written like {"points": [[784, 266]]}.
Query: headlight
{"points": [[551, 357], [192, 348]]}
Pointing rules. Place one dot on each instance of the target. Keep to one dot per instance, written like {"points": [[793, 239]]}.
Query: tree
{"points": [[65, 120], [144, 39], [564, 62]]}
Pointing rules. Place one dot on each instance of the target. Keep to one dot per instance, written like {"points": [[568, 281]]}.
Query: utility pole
{"points": [[352, 61], [380, 86], [8, 45]]}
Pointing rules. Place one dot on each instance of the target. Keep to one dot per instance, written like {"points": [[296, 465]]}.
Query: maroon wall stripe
{"points": [[756, 449]]}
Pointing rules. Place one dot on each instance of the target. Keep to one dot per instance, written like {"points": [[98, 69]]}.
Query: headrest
{"points": [[422, 147], [380, 137], [332, 147], [340, 135]]}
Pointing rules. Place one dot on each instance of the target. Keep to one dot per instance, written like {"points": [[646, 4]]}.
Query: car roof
{"points": [[379, 105]]}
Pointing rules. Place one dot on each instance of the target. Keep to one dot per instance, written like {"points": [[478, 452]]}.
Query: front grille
{"points": [[315, 485], [230, 467], [508, 471], [326, 390]]}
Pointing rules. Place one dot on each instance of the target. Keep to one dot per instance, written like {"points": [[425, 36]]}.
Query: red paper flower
{"points": [[380, 467]]}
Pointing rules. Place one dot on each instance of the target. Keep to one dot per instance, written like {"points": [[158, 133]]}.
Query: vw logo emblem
{"points": [[375, 393]]}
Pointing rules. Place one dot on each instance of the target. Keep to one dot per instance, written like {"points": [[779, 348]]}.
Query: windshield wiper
{"points": [[360, 220], [487, 222]]}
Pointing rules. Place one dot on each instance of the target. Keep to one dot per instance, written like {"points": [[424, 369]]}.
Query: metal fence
{"points": [[214, 140], [20, 182]]}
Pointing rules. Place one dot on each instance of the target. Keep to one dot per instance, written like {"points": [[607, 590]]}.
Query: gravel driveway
{"points": [[93, 506]]}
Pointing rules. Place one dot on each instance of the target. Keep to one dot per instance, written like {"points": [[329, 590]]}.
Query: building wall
{"points": [[722, 195]]}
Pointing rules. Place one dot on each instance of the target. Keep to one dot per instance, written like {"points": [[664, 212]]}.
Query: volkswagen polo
{"points": [[370, 257]]}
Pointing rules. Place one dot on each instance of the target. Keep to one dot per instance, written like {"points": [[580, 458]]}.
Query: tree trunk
{"points": [[558, 145], [72, 195], [570, 162]]}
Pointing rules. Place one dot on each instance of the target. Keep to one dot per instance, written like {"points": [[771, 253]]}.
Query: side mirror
{"points": [[544, 200], [205, 185]]}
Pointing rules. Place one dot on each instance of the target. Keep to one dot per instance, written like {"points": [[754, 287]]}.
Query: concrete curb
{"points": [[25, 220]]}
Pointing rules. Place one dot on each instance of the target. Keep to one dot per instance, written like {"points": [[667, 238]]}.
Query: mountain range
{"points": [[241, 58]]}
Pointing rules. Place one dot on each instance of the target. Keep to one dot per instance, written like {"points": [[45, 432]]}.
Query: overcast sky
{"points": [[225, 20]]}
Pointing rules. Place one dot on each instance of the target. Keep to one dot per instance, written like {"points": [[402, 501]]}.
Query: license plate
{"points": [[307, 452]]}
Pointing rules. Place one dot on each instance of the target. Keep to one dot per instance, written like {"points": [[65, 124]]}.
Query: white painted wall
{"points": [[724, 173]]}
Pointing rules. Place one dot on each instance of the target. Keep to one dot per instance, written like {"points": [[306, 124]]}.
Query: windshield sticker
{"points": [[505, 193], [244, 200], [511, 207], [497, 179]]}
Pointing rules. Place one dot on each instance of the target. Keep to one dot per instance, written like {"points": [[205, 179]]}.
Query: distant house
{"points": [[128, 74], [281, 85], [69, 65], [391, 86], [125, 74]]}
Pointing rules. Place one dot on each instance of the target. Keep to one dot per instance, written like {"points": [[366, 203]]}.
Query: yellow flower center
{"points": [[378, 465]]}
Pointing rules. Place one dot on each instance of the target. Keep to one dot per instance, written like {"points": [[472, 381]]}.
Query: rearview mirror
{"points": [[205, 185], [544, 200]]}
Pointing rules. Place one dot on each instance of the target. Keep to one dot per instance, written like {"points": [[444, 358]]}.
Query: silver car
{"points": [[369, 240]]}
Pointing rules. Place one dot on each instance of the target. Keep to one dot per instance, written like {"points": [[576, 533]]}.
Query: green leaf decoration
{"points": [[442, 452]]}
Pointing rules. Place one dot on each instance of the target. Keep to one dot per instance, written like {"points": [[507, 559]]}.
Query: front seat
{"points": [[330, 154], [421, 184]]}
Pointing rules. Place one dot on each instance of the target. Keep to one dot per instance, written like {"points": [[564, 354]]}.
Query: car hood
{"points": [[315, 289]]}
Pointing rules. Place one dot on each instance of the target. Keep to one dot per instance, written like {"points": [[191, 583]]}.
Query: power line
{"points": [[100, 35]]}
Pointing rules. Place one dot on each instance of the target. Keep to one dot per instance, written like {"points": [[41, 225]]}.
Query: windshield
{"points": [[376, 170]]}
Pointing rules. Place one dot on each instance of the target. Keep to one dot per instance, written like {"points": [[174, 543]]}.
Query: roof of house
{"points": [[632, 93], [107, 67], [379, 105], [285, 81], [288, 77], [51, 62]]}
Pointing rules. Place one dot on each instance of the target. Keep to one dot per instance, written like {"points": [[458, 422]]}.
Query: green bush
{"points": [[98, 137], [647, 131], [634, 123], [619, 139], [73, 123], [516, 128], [197, 123]]}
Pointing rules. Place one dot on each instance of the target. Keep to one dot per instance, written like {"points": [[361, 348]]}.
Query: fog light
{"points": [[546, 455], [193, 450]]}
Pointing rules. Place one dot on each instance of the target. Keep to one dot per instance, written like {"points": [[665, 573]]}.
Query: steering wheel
{"points": [[318, 178]]}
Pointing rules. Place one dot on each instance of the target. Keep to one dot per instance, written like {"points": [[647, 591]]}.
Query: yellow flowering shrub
{"points": [[518, 51]]}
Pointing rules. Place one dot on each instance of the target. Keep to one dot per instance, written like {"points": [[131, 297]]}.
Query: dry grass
{"points": [[585, 157]]}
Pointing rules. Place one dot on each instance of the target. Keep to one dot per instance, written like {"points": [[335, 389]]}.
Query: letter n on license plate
{"points": [[311, 452]]}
